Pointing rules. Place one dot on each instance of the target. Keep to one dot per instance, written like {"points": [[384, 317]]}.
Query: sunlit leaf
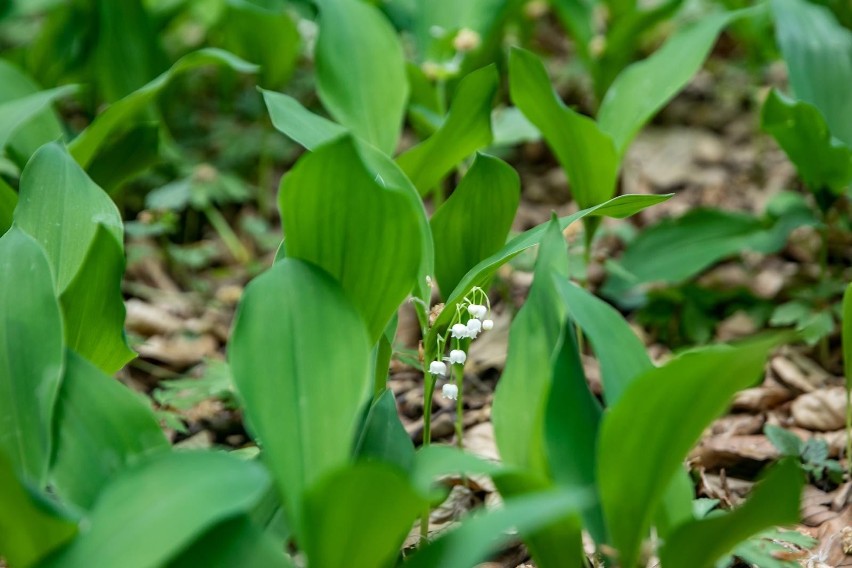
{"points": [[295, 121]]}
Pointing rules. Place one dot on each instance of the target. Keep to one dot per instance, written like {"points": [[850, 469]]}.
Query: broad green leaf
{"points": [[101, 428], [16, 113], [128, 155], [31, 355], [358, 517], [93, 306], [261, 35], [466, 128], [646, 86], [818, 53], [339, 216], [473, 223], [483, 533], [298, 123], [159, 507], [774, 501], [120, 114], [30, 528], [433, 461], [301, 362], [800, 129], [8, 202], [383, 437], [586, 153], [234, 542], [654, 424], [62, 209], [571, 421], [621, 354], [360, 71], [479, 275], [847, 335], [520, 398]]}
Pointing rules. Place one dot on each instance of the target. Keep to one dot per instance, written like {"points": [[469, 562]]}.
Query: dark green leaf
{"points": [[473, 223], [339, 216], [31, 355], [433, 461], [649, 431], [466, 128], [774, 501], [16, 113], [300, 358], [128, 155], [383, 437], [361, 71], [359, 516], [8, 202], [101, 428], [234, 542], [159, 507]]}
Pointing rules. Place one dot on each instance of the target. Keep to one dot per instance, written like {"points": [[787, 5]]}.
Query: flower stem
{"points": [[459, 373]]}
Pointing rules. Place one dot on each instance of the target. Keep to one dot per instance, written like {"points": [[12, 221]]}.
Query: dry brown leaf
{"points": [[180, 351], [760, 399], [725, 451], [820, 410], [150, 319]]}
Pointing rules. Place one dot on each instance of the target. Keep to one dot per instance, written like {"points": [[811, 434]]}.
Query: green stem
{"points": [[849, 433], [459, 373], [428, 389], [221, 226]]}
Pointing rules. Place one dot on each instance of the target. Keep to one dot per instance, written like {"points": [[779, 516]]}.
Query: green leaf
{"points": [[339, 216], [358, 517], [433, 461], [818, 52], [129, 154], [466, 128], [93, 306], [62, 209], [787, 443], [234, 542], [119, 115], [361, 71], [774, 501], [847, 336], [301, 363], [31, 355], [473, 223], [649, 431], [800, 129], [101, 429], [520, 398], [164, 503], [383, 437], [479, 275], [586, 153], [29, 528], [17, 113], [298, 123], [645, 87], [8, 202], [483, 533]]}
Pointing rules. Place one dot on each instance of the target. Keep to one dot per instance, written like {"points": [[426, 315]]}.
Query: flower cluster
{"points": [[469, 321]]}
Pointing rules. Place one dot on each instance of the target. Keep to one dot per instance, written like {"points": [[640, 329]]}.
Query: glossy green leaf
{"points": [[93, 306], [818, 53], [31, 355], [359, 517], [134, 514], [774, 501], [62, 209], [586, 153], [479, 275], [645, 87], [847, 335], [29, 527], [16, 113], [800, 129], [649, 431], [8, 202], [383, 436], [234, 542], [101, 428], [120, 114], [298, 123], [474, 222], [339, 216], [483, 533], [361, 71], [520, 398], [433, 461], [466, 128], [301, 362]]}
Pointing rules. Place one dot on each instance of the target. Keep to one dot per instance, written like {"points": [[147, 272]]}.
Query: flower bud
{"points": [[438, 368], [466, 40], [477, 311], [450, 391], [487, 324], [457, 357]]}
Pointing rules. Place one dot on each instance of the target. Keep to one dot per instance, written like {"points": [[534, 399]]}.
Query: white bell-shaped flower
{"points": [[487, 324], [476, 310], [474, 326], [459, 331], [457, 357], [438, 368], [450, 391]]}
